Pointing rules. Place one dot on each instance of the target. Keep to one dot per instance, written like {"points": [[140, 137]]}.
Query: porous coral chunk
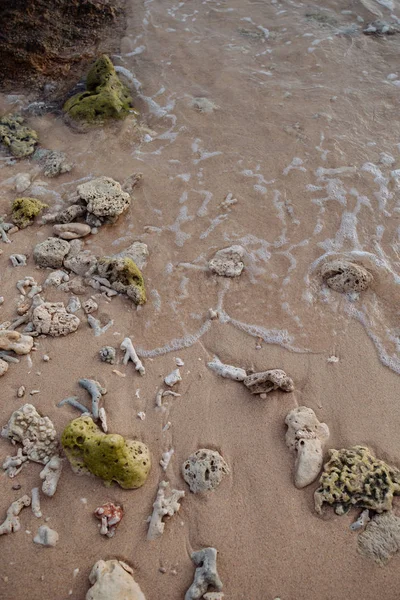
{"points": [[206, 574], [108, 456], [345, 276], [19, 138], [36, 434], [104, 197], [228, 262], [24, 210], [124, 276], [354, 477], [203, 471], [106, 96], [15, 341], [52, 318], [51, 253]]}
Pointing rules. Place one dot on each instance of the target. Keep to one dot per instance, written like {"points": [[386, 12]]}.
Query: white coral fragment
{"points": [[112, 579], [12, 523], [228, 262], [163, 507], [206, 574], [173, 378], [50, 475], [15, 342], [46, 536], [228, 371], [130, 354]]}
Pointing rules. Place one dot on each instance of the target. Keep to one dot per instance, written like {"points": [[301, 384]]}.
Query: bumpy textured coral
{"points": [[51, 253], [24, 211], [19, 138], [267, 381], [344, 276], [104, 197], [36, 434], [113, 580], [52, 318], [228, 262], [106, 96], [108, 456], [203, 471], [124, 276], [354, 477]]}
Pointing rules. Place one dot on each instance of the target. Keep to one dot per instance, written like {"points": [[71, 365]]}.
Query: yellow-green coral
{"points": [[354, 477], [19, 138], [24, 210], [124, 276], [106, 96], [108, 456]]}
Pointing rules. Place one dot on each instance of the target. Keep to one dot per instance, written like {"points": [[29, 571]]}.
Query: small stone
{"points": [[21, 182], [21, 391], [228, 262], [16, 486], [71, 231], [51, 253]]}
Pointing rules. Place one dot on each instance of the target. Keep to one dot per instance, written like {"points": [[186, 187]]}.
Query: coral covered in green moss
{"points": [[354, 477], [24, 211], [108, 456], [124, 276], [106, 96], [19, 138]]}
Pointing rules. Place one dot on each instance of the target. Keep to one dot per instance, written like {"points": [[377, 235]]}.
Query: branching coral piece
{"points": [[96, 391], [354, 477], [267, 381], [12, 524], [206, 574], [110, 516], [163, 507], [130, 354]]}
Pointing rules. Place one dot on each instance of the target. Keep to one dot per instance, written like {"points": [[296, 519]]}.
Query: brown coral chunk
{"points": [[344, 276], [267, 381]]}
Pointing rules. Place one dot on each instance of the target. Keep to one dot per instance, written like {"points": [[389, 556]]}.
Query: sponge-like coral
{"points": [[106, 96], [24, 211], [108, 456], [345, 276], [124, 276], [355, 477]]}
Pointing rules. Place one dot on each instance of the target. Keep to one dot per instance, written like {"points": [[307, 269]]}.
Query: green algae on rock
{"points": [[24, 211], [19, 138], [106, 96], [355, 477], [125, 277], [108, 456]]}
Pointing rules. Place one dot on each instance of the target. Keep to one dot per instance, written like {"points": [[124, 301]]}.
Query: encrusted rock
{"points": [[267, 381], [138, 252], [108, 456], [108, 354], [69, 214], [71, 231], [228, 261], [15, 341], [354, 477], [104, 198], [36, 434], [113, 580], [204, 470], [24, 211], [51, 253], [345, 276], [55, 163], [124, 276], [206, 574], [306, 436], [105, 98], [52, 318], [19, 138]]}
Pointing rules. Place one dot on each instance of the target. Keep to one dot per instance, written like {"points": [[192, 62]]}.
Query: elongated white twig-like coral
{"points": [[12, 522], [166, 457], [163, 507], [35, 505], [50, 475], [130, 354], [228, 371]]}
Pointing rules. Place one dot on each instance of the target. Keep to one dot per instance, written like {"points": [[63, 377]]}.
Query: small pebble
{"points": [[33, 392], [21, 391], [141, 415], [16, 486], [46, 358], [263, 396], [162, 570]]}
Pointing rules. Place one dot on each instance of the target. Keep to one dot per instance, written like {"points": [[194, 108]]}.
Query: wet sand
{"points": [[294, 100]]}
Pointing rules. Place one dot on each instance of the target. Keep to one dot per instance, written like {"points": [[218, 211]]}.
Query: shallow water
{"points": [[302, 130]]}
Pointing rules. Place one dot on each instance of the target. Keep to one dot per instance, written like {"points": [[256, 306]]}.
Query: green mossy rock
{"points": [[106, 96], [108, 456], [124, 275], [19, 138], [24, 211], [354, 477]]}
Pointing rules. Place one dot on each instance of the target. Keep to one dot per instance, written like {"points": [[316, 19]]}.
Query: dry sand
{"points": [[305, 91]]}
